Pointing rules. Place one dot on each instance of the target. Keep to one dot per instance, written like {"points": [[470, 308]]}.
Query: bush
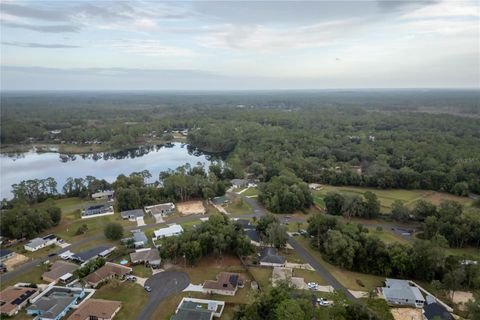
{"points": [[113, 231]]}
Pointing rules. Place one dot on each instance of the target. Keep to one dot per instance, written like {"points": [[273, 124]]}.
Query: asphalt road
{"points": [[164, 285]]}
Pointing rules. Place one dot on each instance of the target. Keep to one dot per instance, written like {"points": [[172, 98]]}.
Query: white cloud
{"points": [[445, 9], [151, 48]]}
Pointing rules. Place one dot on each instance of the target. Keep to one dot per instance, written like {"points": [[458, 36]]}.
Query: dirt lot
{"points": [[462, 297], [407, 314], [15, 260], [191, 207]]}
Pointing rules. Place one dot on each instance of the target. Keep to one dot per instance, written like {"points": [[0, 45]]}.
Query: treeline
{"points": [[366, 206], [351, 247], [283, 302], [182, 184], [285, 193], [216, 236], [22, 221]]}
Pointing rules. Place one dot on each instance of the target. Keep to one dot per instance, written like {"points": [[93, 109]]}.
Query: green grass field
{"points": [[239, 206], [250, 192], [388, 196]]}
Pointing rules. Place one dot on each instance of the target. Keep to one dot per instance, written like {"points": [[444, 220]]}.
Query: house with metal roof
{"points": [[171, 230], [402, 292], [269, 257], [39, 243], [433, 310], [92, 254], [225, 284], [198, 309], [6, 254]]}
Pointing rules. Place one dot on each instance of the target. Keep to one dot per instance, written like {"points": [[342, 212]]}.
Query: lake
{"points": [[106, 165]]}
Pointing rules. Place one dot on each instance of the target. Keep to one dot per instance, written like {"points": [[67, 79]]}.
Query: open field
{"points": [[238, 206], [309, 276], [33, 276], [345, 277], [191, 207], [263, 277], [388, 196], [132, 296], [250, 192]]}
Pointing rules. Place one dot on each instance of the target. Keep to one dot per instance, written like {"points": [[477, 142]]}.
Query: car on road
{"points": [[148, 289], [312, 285], [323, 302]]}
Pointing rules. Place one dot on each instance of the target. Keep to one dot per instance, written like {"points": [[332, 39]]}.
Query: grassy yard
{"points": [[239, 206], [309, 276], [263, 277], [250, 192], [33, 276], [468, 252], [132, 296], [388, 196], [387, 236], [346, 278]]}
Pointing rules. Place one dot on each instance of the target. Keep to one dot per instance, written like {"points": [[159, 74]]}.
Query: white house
{"points": [[172, 230], [402, 292], [39, 243], [97, 211], [162, 209], [103, 195]]}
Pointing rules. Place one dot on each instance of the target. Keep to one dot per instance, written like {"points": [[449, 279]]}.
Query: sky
{"points": [[230, 45]]}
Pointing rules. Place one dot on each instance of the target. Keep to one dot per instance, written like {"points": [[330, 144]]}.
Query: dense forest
{"points": [[387, 139]]}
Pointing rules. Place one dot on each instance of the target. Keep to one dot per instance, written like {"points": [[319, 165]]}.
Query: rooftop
{"points": [[148, 255], [107, 271], [37, 242], [168, 231], [401, 289], [137, 213], [269, 255], [140, 237], [58, 269], [225, 281], [96, 308], [54, 302], [5, 252], [91, 253], [11, 297]]}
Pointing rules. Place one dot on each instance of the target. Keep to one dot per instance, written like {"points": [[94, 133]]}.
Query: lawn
{"points": [[388, 196], [469, 252], [345, 277], [239, 206], [250, 192], [387, 236], [141, 271], [132, 296], [309, 276], [33, 276], [263, 277]]}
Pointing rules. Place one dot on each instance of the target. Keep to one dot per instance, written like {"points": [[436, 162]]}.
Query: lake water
{"points": [[33, 165]]}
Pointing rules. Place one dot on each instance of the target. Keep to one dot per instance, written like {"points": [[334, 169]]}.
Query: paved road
{"points": [[164, 285], [324, 273], [31, 264]]}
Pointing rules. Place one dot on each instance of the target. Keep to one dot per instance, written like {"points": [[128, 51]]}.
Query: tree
{"points": [[334, 203], [474, 307], [276, 235], [339, 249], [289, 309], [372, 205], [113, 231], [127, 199], [400, 212], [423, 210]]}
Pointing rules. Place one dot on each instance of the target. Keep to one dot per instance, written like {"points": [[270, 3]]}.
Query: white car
{"points": [[323, 302], [312, 285]]}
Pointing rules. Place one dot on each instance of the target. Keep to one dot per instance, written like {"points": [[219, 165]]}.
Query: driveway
{"points": [[164, 285]]}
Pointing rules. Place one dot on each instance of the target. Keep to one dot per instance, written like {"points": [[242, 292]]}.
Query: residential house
{"points": [[132, 215], [220, 201], [92, 254], [162, 209], [39, 243], [103, 195], [55, 302], [198, 309], [149, 256], [97, 210], [171, 230], [433, 310], [108, 271], [269, 257], [402, 292], [96, 309], [13, 299], [59, 269], [6, 254], [140, 240], [239, 183], [226, 284]]}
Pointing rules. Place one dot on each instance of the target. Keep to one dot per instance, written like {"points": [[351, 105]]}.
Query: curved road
{"points": [[164, 285]]}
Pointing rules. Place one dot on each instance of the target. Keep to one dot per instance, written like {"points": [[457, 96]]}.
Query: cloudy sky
{"points": [[153, 45]]}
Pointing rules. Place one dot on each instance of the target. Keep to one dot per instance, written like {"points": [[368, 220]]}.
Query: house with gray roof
{"points": [[132, 215], [434, 310], [198, 309], [92, 254], [55, 302], [402, 292], [269, 257], [39, 243]]}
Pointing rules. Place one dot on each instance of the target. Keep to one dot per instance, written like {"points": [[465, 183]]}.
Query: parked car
{"points": [[323, 302], [148, 289], [131, 278], [312, 285]]}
